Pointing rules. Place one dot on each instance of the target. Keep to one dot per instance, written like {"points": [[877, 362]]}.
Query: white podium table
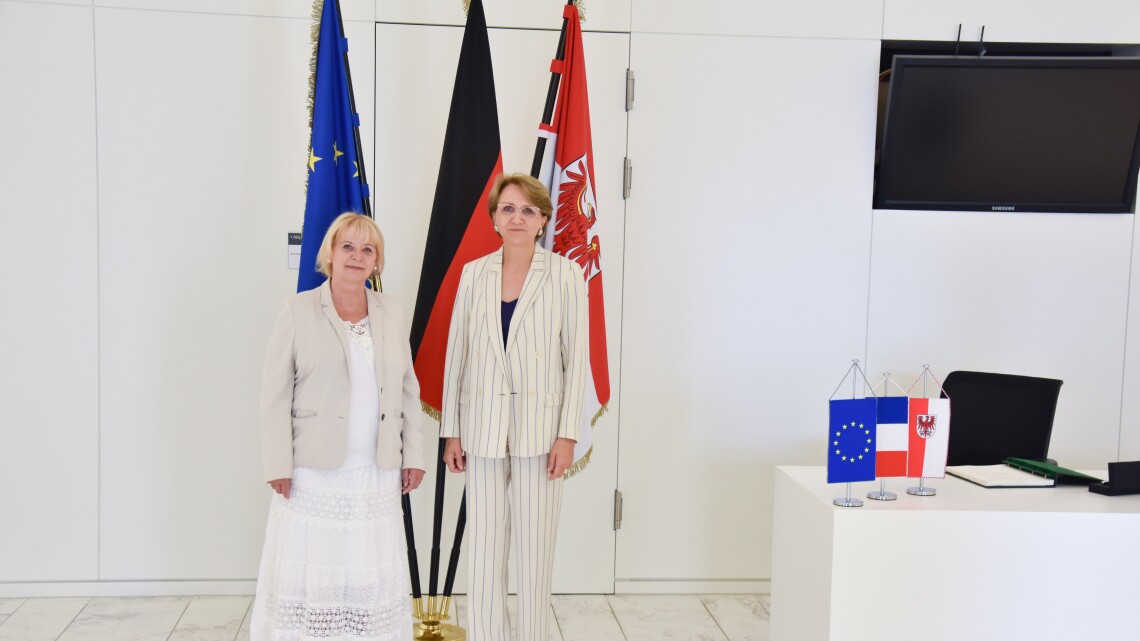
{"points": [[970, 563]]}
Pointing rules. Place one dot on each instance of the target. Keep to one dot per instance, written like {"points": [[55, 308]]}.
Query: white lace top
{"points": [[364, 397]]}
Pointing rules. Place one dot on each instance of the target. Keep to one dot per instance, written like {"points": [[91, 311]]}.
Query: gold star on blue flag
{"points": [[334, 187], [851, 441]]}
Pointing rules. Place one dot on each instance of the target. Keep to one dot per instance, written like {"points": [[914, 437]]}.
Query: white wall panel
{"points": [[1031, 294], [49, 386], [1108, 21], [799, 18], [203, 131], [420, 61], [352, 9], [599, 15], [746, 286]]}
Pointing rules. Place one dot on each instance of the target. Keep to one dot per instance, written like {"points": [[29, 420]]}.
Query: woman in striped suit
{"points": [[514, 383]]}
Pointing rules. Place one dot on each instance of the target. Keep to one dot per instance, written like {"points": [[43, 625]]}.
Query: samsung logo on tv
{"points": [[1002, 208]]}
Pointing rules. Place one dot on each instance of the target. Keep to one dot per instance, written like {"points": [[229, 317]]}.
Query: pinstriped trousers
{"points": [[505, 494]]}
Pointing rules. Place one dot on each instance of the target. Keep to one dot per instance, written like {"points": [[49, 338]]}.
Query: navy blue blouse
{"points": [[508, 312]]}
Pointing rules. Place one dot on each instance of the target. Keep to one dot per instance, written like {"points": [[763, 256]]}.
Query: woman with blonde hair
{"points": [[340, 441]]}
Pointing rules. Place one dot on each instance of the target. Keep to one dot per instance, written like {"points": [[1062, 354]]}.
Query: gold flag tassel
{"points": [[584, 462], [431, 411], [314, 42]]}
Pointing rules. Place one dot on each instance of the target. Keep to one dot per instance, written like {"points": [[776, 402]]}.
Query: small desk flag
{"points": [[891, 436], [851, 441], [929, 435]]}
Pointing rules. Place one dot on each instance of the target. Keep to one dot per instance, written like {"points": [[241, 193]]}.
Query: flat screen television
{"points": [[1011, 134]]}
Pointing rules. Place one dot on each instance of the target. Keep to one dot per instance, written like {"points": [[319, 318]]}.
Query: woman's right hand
{"points": [[282, 486], [453, 455]]}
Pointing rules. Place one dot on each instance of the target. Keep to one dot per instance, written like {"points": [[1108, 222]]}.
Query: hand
{"points": [[561, 457], [411, 478], [282, 486], [453, 455]]}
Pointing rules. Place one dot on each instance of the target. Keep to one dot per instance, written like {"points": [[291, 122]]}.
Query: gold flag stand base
{"points": [[431, 626]]}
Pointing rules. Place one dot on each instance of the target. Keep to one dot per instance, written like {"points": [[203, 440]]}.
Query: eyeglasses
{"points": [[528, 211]]}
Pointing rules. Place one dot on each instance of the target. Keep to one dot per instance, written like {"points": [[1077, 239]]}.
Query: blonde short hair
{"points": [[356, 222], [535, 192]]}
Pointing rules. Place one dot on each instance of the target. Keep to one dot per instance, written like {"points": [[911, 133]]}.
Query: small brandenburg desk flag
{"points": [[891, 437], [851, 441], [929, 437], [335, 173]]}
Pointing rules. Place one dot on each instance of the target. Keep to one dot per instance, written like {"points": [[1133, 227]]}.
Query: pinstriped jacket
{"points": [[516, 398]]}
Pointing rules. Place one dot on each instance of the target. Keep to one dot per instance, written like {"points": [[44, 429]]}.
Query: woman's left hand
{"points": [[561, 457], [411, 478]]}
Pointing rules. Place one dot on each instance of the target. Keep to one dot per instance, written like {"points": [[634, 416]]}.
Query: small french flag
{"points": [[891, 439]]}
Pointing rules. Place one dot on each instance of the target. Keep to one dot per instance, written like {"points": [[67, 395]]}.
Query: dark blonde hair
{"points": [[354, 221], [535, 192]]}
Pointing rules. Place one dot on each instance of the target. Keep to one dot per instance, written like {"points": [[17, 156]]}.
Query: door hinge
{"points": [[627, 179], [629, 80], [617, 510]]}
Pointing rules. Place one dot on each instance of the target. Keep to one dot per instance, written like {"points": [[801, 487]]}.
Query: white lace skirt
{"points": [[335, 566]]}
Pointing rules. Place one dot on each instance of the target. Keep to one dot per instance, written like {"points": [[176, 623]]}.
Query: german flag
{"points": [[460, 230]]}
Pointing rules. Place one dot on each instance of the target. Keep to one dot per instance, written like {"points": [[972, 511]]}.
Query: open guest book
{"points": [[1019, 472]]}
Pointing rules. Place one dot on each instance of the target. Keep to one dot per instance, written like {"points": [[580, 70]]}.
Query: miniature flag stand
{"points": [[851, 437], [928, 436], [890, 437]]}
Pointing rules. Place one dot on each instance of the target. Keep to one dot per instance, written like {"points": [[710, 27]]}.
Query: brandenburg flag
{"points": [[567, 170], [928, 435]]}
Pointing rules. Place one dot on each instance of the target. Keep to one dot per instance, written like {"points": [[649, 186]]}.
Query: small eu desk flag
{"points": [[851, 441], [335, 173]]}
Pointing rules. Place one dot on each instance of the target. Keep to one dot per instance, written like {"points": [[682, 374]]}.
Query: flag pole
{"points": [[413, 560], [437, 525], [551, 97], [882, 494], [453, 562], [431, 626]]}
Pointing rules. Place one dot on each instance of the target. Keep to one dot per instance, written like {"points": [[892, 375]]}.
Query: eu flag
{"points": [[851, 441], [335, 182]]}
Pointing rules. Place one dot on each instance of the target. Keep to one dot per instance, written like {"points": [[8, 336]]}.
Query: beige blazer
{"points": [[305, 387], [516, 398]]}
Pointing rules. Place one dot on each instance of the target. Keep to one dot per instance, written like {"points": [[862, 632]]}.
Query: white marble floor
{"points": [[623, 617]]}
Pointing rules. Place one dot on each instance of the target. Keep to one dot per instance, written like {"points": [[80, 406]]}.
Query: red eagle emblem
{"points": [[925, 425], [576, 215]]}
